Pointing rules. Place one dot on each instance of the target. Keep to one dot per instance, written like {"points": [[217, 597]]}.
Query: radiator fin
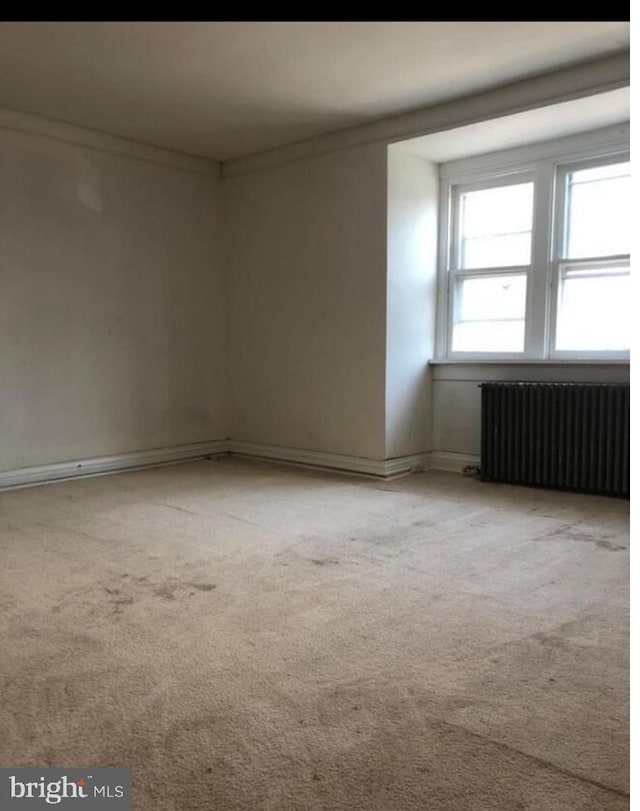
{"points": [[572, 436]]}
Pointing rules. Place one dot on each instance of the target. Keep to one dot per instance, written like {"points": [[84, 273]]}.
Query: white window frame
{"points": [[559, 261], [456, 274], [547, 163]]}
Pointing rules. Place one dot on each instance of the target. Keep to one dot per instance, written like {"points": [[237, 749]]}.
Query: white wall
{"points": [[332, 296], [112, 333], [114, 291], [456, 394], [307, 303], [411, 300], [320, 357]]}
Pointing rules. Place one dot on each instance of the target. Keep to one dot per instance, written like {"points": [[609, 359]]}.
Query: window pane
{"points": [[594, 312], [490, 314], [488, 336], [598, 220], [500, 210], [495, 226], [496, 252]]}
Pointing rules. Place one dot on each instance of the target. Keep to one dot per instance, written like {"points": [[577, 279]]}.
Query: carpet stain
{"points": [[171, 589], [203, 586], [570, 532], [166, 591], [550, 640], [120, 603], [126, 593]]}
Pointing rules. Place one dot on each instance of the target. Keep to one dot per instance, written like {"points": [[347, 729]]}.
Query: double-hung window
{"points": [[536, 259]]}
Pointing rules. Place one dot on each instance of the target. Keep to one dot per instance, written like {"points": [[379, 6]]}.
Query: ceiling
{"points": [[226, 89]]}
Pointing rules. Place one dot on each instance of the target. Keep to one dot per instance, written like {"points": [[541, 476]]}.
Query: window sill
{"points": [[580, 371], [529, 362]]}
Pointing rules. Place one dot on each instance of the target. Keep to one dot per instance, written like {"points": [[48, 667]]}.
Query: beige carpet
{"points": [[251, 636]]}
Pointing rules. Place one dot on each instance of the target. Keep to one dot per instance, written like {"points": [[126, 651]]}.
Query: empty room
{"points": [[314, 415]]}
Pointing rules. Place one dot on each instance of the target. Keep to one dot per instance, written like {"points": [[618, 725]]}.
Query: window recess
{"points": [[535, 260]]}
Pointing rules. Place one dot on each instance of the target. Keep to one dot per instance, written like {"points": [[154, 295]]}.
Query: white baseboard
{"points": [[98, 466], [379, 468], [453, 462], [23, 477], [387, 468]]}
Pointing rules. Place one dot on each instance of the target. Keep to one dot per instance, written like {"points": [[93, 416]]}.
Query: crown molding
{"points": [[576, 81], [29, 124]]}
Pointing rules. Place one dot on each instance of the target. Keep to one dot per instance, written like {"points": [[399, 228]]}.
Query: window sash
{"points": [[458, 190], [563, 170], [455, 280], [593, 268]]}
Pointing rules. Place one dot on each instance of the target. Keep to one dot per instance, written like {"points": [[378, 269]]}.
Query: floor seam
{"points": [[549, 764]]}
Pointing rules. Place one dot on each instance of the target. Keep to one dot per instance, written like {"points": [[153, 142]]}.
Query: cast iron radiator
{"points": [[573, 436]]}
